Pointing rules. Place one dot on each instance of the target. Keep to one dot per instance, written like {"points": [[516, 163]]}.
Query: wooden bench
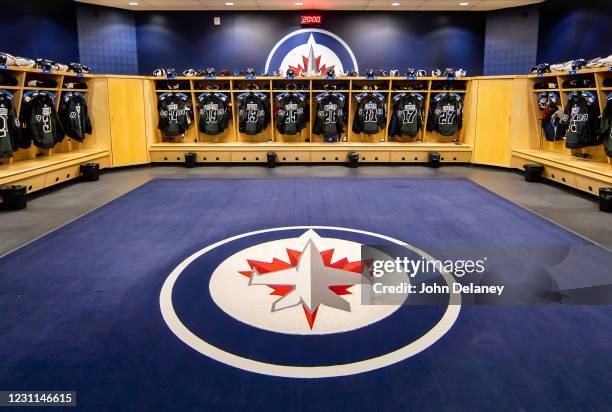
{"points": [[310, 152], [47, 171], [584, 174]]}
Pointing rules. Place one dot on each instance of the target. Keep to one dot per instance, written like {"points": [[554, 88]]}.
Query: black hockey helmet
{"points": [[44, 64], [331, 72], [369, 73], [578, 64], [410, 72], [449, 72], [541, 68], [290, 73], [156, 72]]}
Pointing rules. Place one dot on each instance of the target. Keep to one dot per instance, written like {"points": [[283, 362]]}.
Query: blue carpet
{"points": [[79, 308]]}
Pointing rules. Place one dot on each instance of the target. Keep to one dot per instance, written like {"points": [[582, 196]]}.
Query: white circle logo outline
{"points": [[226, 294], [198, 344]]}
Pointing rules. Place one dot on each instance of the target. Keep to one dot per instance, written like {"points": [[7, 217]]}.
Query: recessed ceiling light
{"points": [[133, 3], [464, 3], [299, 3], [229, 3], [395, 4]]}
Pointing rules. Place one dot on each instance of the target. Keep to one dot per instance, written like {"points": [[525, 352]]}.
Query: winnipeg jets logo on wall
{"points": [[311, 52], [290, 302]]}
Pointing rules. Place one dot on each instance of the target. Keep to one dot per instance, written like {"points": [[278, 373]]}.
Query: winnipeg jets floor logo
{"points": [[311, 52], [309, 279], [304, 285], [288, 302]]}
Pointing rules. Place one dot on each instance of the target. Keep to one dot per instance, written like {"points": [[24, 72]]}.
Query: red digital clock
{"points": [[311, 19]]}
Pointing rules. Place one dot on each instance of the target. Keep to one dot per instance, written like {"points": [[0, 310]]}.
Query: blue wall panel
{"points": [[119, 41], [107, 39], [570, 30], [511, 42], [39, 28], [379, 40]]}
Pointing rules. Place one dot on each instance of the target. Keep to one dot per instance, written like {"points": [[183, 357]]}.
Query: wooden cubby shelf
{"points": [[232, 146], [40, 168], [560, 163], [501, 126]]}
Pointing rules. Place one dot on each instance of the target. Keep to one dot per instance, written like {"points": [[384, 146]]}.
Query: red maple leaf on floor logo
{"points": [[310, 278]]}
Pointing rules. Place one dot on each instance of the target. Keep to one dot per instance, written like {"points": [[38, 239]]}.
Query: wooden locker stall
{"points": [[309, 147], [586, 169], [38, 168], [501, 127], [127, 121], [494, 122]]}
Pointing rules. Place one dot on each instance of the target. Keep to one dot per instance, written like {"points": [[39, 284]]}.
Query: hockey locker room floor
{"points": [[244, 294]]}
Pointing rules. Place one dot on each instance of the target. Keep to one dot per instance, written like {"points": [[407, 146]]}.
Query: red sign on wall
{"points": [[311, 19]]}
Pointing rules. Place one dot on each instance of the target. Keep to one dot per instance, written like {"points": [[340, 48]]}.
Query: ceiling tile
{"points": [[422, 5], [122, 4], [176, 4], [386, 5], [338, 4], [265, 6], [501, 4], [313, 4], [279, 4], [238, 4], [444, 5], [472, 4]]}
